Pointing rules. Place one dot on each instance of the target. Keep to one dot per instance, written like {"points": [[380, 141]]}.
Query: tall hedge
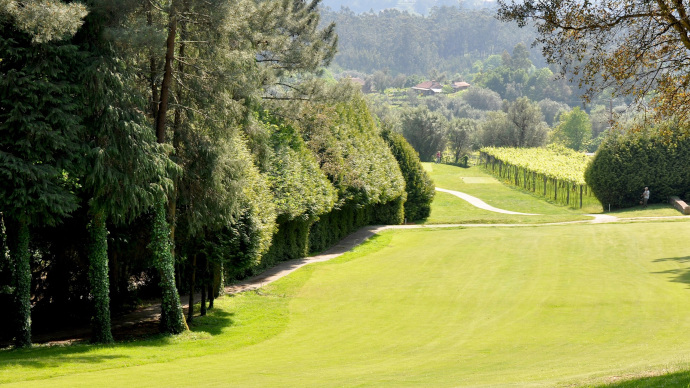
{"points": [[626, 163], [359, 164], [418, 184], [301, 190]]}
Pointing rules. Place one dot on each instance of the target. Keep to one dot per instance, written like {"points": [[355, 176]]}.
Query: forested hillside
{"points": [[449, 39], [492, 86]]}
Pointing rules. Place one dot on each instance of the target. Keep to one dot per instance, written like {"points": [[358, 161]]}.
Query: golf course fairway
{"points": [[483, 306]]}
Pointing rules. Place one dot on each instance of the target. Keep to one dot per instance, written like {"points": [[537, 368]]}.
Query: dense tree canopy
{"points": [[183, 143], [574, 129], [425, 131], [44, 20], [448, 39]]}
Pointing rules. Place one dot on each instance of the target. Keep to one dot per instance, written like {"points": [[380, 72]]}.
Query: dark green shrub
{"points": [[418, 185], [334, 226], [625, 164], [357, 161], [300, 189]]}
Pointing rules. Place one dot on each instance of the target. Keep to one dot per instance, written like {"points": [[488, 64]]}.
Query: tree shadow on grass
{"points": [[53, 357], [678, 275], [676, 379], [213, 322]]}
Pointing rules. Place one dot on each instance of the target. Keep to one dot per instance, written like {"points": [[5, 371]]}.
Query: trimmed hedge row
{"points": [[626, 163], [418, 185]]}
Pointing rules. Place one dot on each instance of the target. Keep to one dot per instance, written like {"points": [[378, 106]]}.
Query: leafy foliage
{"points": [[18, 239], [555, 172], [418, 184], [358, 163], [98, 276], [633, 47], [627, 163], [553, 161], [40, 151], [448, 39], [44, 20], [425, 131], [574, 130], [301, 190], [459, 137], [172, 319]]}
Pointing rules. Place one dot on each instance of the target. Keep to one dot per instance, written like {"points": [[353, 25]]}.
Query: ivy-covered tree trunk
{"points": [[21, 256], [172, 316], [98, 276]]}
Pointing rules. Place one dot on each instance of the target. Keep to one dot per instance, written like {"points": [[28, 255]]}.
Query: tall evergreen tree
{"points": [[44, 20], [128, 168], [40, 150]]}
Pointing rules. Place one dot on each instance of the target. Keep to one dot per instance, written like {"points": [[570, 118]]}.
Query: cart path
{"points": [[481, 204]]}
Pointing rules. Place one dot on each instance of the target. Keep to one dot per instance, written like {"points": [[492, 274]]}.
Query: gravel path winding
{"points": [[481, 204]]}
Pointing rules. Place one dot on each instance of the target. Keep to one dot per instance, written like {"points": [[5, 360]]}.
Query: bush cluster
{"points": [[418, 184], [626, 163]]}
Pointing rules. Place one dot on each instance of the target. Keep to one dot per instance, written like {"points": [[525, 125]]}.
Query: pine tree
{"points": [[128, 168], [40, 151]]}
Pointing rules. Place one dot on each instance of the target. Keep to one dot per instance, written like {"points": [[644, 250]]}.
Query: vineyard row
{"points": [[562, 191]]}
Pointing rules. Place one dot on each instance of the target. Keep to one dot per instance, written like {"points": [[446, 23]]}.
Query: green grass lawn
{"points": [[448, 209], [523, 306]]}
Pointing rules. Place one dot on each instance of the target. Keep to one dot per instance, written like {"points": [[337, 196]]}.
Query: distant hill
{"points": [[421, 7], [447, 39]]}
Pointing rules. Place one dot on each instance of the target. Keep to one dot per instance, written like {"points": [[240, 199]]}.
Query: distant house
{"points": [[459, 85], [428, 88]]}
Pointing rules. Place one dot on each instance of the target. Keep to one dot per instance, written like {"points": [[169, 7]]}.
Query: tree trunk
{"points": [[98, 277], [172, 316], [211, 295], [18, 236], [167, 73], [202, 307], [204, 286], [153, 68], [192, 286]]}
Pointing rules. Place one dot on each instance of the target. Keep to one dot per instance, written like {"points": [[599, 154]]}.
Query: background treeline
{"points": [[448, 39], [151, 150], [515, 99], [421, 7]]}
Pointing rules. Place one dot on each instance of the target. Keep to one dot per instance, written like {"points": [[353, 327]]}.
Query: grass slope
{"points": [[448, 209], [527, 306]]}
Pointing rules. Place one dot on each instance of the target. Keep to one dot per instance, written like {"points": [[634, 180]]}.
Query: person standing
{"points": [[438, 156], [645, 196]]}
